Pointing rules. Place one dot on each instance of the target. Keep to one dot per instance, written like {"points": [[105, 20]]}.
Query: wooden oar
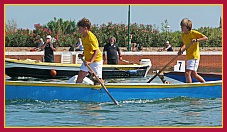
{"points": [[169, 63], [91, 70], [127, 61]]}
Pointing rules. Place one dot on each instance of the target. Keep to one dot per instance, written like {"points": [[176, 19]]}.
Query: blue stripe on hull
{"points": [[48, 93], [198, 92]]}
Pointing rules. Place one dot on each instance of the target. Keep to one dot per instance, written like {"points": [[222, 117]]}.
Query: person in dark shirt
{"points": [[111, 52], [49, 49], [167, 47]]}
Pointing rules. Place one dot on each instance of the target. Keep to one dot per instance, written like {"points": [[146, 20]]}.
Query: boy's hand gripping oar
{"points": [[169, 63], [115, 102]]}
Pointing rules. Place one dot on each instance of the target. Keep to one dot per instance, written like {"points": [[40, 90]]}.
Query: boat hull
{"points": [[133, 91], [180, 76], [21, 68]]}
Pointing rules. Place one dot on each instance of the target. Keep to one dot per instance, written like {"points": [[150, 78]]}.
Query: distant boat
{"points": [[47, 91], [32, 68]]}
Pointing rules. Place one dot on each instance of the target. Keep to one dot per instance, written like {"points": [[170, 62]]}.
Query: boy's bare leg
{"points": [[197, 77]]}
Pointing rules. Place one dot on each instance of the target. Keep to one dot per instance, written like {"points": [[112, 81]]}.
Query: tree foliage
{"points": [[67, 34], [11, 26]]}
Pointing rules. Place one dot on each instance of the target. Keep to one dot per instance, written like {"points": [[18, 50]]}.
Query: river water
{"points": [[167, 112]]}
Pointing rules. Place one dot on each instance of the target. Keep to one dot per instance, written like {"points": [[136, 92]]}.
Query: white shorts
{"points": [[192, 65], [95, 66]]}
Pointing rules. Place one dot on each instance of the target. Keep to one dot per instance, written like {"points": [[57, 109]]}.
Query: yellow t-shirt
{"points": [[193, 51], [90, 43]]}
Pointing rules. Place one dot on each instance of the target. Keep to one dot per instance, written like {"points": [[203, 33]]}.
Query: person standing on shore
{"points": [[92, 53], [49, 49], [111, 52], [192, 38]]}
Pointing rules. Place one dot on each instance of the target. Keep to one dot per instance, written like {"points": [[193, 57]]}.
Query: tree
{"points": [[11, 26], [145, 35]]}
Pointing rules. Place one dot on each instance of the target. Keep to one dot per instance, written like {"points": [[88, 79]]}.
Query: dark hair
{"points": [[186, 22], [113, 39], [84, 23]]}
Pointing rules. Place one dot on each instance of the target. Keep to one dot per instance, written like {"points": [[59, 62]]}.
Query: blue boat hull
{"points": [[120, 92], [180, 76]]}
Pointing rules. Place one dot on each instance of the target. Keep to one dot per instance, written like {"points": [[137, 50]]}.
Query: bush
{"points": [[145, 35]]}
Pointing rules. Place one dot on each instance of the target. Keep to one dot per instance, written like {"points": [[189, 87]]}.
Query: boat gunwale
{"points": [[35, 62], [115, 85]]}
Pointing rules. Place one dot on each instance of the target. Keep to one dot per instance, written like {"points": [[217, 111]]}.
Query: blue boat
{"points": [[179, 76], [47, 91]]}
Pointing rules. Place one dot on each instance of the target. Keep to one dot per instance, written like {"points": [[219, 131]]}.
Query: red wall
{"points": [[208, 63]]}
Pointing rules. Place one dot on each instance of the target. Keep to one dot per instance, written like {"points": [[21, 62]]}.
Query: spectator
{"points": [[136, 47], [110, 52], [79, 45], [167, 47], [49, 49], [38, 48]]}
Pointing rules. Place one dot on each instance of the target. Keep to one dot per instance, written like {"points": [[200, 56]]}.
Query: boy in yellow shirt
{"points": [[192, 37], [92, 53]]}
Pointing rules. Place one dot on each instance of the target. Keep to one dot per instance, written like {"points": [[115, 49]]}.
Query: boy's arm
{"points": [[204, 38], [93, 57], [181, 49]]}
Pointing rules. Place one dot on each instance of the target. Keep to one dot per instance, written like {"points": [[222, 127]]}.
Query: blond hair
{"points": [[186, 22]]}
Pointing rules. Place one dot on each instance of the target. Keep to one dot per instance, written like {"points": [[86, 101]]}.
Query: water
{"points": [[168, 112]]}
